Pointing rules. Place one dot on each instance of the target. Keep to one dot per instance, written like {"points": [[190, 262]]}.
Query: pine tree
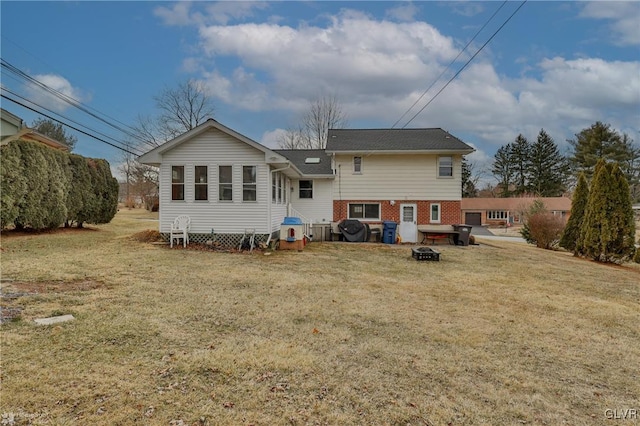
{"points": [[521, 163], [571, 234], [623, 227], [548, 169], [503, 169], [607, 232], [600, 141], [55, 131]]}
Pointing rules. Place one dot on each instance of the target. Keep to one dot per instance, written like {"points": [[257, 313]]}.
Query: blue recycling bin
{"points": [[389, 232]]}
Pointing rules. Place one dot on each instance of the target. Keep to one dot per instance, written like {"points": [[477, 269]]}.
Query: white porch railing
{"points": [[308, 223]]}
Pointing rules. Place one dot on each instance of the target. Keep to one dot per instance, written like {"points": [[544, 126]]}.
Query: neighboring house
{"points": [[229, 183], [28, 134], [500, 211], [409, 176], [13, 129], [10, 124]]}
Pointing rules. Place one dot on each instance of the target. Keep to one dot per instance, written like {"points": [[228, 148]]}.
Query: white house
{"points": [[228, 183]]}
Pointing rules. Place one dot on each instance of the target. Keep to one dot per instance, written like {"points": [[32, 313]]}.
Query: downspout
{"points": [[271, 202]]}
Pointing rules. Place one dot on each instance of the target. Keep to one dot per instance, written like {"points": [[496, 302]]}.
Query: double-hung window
{"points": [[201, 186], [364, 211], [177, 183], [357, 165], [225, 183], [445, 166], [306, 189], [249, 183]]}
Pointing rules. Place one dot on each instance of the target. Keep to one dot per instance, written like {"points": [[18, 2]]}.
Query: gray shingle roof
{"points": [[355, 140], [298, 157]]}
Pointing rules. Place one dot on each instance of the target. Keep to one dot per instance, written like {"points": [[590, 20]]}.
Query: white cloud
{"points": [[271, 138], [624, 16], [406, 12], [58, 83], [467, 9], [378, 68], [222, 12]]}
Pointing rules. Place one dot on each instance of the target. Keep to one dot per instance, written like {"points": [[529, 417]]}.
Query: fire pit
{"points": [[425, 253]]}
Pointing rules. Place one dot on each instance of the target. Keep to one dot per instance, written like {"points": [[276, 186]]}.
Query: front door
{"points": [[408, 223]]}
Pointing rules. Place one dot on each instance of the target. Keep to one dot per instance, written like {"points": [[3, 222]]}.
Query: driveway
{"points": [[483, 233]]}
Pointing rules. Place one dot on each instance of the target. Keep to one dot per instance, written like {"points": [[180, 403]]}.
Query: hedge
{"points": [[43, 188]]}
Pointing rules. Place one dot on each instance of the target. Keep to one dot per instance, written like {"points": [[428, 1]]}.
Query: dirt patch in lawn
{"points": [[147, 236], [40, 287], [12, 233]]}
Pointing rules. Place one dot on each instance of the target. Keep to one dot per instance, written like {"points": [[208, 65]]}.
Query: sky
{"points": [[556, 65]]}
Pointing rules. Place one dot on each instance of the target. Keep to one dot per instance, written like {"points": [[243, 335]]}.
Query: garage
{"points": [[473, 218]]}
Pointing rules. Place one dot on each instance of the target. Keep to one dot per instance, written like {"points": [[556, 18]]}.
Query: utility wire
{"points": [[129, 131], [450, 64], [68, 125], [60, 115], [465, 65]]}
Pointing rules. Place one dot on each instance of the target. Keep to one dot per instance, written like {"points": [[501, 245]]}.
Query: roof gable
{"points": [[394, 140], [154, 156]]}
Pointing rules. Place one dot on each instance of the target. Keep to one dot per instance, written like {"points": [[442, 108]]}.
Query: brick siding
{"points": [[450, 211]]}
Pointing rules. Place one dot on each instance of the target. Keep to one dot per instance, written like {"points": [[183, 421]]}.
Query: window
{"points": [[445, 166], [225, 183], [497, 214], [177, 182], [281, 188], [357, 164], [364, 211], [249, 186], [306, 189], [434, 215], [275, 180], [201, 186]]}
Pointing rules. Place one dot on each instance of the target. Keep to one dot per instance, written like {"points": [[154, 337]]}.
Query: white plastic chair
{"points": [[180, 229]]}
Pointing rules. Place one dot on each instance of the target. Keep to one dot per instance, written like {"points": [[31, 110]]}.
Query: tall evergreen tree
{"points": [[606, 234], [597, 142], [503, 169], [571, 235], [548, 169], [623, 226], [521, 163]]}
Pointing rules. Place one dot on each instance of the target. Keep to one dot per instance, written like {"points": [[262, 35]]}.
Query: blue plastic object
{"points": [[389, 232], [292, 221]]}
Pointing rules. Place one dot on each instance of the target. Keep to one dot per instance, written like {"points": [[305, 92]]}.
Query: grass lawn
{"points": [[338, 334]]}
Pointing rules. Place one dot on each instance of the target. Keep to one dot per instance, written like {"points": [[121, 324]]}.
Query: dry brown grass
{"points": [[337, 334]]}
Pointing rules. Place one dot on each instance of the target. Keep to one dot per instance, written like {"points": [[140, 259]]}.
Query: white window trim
{"points": [[452, 167], [300, 189], [184, 182], [359, 172], [253, 184], [219, 193], [363, 219], [196, 184], [502, 215], [439, 219]]}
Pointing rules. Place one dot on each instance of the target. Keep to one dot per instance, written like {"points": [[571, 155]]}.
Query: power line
{"points": [[129, 131], [59, 115], [68, 125], [465, 65], [450, 64]]}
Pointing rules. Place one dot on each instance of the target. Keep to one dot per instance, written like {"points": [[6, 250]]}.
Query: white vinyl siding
{"points": [[212, 149], [397, 177], [320, 207]]}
